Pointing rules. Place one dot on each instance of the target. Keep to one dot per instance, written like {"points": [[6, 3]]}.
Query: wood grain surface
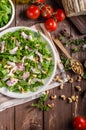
{"points": [[24, 117]]}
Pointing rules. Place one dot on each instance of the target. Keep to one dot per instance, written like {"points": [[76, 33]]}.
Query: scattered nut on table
{"points": [[57, 78], [51, 105], [53, 97], [63, 97], [47, 92], [61, 86], [71, 80], [68, 77], [78, 88], [70, 100], [79, 78]]}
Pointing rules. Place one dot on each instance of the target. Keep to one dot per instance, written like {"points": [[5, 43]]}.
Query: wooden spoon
{"points": [[77, 67]]}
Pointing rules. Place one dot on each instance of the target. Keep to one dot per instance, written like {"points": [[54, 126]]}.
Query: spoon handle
{"points": [[59, 44]]}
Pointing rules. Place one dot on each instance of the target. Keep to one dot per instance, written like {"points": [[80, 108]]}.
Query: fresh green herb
{"points": [[84, 76], [40, 103], [67, 43], [78, 41], [75, 49], [66, 63], [5, 12]]}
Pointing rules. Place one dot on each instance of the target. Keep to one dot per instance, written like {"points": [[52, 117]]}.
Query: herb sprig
{"points": [[66, 63], [40, 103]]}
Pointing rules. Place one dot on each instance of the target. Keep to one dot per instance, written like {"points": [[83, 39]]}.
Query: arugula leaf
{"points": [[5, 12]]}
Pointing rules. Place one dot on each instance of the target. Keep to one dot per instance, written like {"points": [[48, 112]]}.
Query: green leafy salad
{"points": [[5, 12], [25, 60]]}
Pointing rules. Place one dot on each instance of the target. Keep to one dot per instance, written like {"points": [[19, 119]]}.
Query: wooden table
{"points": [[24, 117]]}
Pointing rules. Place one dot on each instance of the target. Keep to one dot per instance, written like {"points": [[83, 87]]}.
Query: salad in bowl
{"points": [[7, 13], [27, 61]]}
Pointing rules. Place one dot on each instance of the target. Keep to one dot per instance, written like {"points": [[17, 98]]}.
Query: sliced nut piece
{"points": [[79, 78], [61, 86], [53, 97], [70, 100], [63, 97], [71, 80], [51, 105], [78, 88]]}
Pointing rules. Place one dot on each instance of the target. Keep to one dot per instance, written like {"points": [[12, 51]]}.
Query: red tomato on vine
{"points": [[46, 11], [33, 12], [51, 24]]}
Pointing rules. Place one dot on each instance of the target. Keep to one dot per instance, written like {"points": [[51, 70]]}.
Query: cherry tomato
{"points": [[37, 1], [46, 11], [51, 24], [33, 12], [79, 123], [59, 15]]}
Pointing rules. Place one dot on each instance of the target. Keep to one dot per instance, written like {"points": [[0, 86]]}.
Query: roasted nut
{"points": [[73, 98], [76, 67], [68, 77], [61, 86], [63, 97], [79, 78], [47, 92], [57, 78], [71, 80], [78, 88], [53, 97], [77, 98], [34, 75], [70, 100], [51, 105]]}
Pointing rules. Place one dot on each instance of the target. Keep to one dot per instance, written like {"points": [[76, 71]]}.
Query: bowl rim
{"points": [[12, 16], [42, 89]]}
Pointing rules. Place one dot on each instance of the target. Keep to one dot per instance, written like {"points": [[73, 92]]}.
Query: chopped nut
{"points": [[47, 92], [51, 105], [71, 80], [53, 97], [63, 97], [78, 88], [34, 75], [79, 78], [69, 100], [61, 86]]}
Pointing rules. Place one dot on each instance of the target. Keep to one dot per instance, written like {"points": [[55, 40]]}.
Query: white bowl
{"points": [[48, 80], [12, 17]]}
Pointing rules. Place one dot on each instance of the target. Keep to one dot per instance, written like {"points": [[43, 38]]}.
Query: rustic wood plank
{"points": [[7, 119], [28, 118]]}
